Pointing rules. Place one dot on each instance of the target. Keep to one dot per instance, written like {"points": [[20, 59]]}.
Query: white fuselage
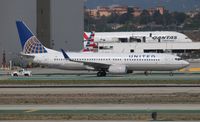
{"points": [[132, 61], [150, 36]]}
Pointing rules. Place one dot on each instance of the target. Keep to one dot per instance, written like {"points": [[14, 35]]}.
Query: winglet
{"points": [[65, 55]]}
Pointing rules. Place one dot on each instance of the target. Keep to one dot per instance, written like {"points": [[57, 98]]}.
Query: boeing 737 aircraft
{"points": [[101, 62]]}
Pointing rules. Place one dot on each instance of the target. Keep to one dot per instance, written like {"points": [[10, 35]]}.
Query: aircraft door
{"points": [[167, 60], [144, 39], [46, 60]]}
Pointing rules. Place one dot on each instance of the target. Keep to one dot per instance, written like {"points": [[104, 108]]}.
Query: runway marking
{"points": [[30, 111], [182, 70], [194, 69]]}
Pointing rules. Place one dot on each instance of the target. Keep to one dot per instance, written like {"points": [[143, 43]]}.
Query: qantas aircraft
{"points": [[139, 36], [89, 45], [91, 42], [100, 62]]}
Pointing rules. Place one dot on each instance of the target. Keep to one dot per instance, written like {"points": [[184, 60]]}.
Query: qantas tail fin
{"points": [[30, 44], [85, 36], [89, 43]]}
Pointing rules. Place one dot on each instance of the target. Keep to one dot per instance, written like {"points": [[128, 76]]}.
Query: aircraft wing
{"points": [[95, 65]]}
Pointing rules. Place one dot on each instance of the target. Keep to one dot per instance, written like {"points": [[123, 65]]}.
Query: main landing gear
{"points": [[101, 73]]}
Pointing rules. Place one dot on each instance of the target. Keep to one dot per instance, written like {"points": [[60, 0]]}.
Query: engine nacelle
{"points": [[117, 69]]}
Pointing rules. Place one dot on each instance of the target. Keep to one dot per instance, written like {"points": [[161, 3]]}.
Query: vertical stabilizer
{"points": [[30, 44]]}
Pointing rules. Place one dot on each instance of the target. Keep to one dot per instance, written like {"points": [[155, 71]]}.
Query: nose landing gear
{"points": [[146, 73], [171, 73]]}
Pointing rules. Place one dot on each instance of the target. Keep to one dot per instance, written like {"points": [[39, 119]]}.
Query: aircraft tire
{"points": [[101, 73], [98, 74]]}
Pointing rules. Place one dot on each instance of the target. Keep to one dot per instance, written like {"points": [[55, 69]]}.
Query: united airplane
{"points": [[123, 63]]}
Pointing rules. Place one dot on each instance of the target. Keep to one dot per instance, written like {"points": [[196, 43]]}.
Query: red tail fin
{"points": [[85, 36], [89, 43]]}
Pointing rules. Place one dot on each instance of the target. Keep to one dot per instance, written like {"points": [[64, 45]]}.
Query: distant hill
{"points": [[172, 5]]}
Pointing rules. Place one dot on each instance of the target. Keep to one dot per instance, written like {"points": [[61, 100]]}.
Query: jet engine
{"points": [[121, 69]]}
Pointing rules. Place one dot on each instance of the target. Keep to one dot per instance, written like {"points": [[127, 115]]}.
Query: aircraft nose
{"points": [[185, 64]]}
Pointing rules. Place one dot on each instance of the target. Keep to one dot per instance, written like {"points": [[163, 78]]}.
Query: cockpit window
{"points": [[178, 59]]}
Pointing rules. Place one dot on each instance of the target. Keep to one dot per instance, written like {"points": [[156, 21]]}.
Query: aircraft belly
{"points": [[154, 67], [67, 66], [73, 66]]}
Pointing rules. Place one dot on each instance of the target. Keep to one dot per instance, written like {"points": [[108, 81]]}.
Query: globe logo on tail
{"points": [[33, 45]]}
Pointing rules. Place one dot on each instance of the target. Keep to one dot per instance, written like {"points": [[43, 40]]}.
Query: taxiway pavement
{"points": [[118, 90]]}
